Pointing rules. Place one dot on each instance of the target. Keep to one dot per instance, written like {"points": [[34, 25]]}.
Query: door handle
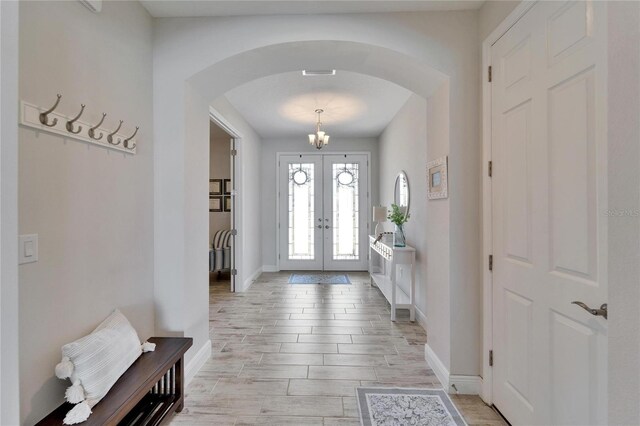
{"points": [[602, 312], [319, 226], [326, 227]]}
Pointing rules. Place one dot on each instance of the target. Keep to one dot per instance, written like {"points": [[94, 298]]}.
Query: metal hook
{"points": [[69, 124], [92, 130], [110, 135], [44, 116], [126, 141]]}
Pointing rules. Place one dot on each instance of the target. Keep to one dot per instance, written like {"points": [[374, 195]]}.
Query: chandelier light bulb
{"points": [[320, 138]]}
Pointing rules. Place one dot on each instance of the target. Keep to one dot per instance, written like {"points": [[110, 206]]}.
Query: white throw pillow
{"points": [[95, 362]]}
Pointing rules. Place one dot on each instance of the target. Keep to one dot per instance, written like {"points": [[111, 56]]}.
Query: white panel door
{"points": [[345, 212], [549, 187]]}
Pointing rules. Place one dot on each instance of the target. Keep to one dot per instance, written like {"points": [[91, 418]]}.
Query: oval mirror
{"points": [[401, 193]]}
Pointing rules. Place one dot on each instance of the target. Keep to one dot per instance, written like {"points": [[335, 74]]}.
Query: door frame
{"points": [[220, 121], [277, 190], [487, 236]]}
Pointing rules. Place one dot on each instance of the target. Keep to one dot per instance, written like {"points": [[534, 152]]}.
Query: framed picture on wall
{"points": [[215, 203], [215, 186], [437, 178], [227, 204], [227, 187]]}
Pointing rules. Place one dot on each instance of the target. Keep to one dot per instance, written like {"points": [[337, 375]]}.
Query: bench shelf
{"points": [[146, 394]]}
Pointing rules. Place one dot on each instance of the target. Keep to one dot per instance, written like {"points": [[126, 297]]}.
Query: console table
{"points": [[384, 260]]}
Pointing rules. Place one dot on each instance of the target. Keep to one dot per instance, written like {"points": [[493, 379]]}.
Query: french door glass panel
{"points": [[323, 200], [301, 183], [300, 212], [345, 205]]}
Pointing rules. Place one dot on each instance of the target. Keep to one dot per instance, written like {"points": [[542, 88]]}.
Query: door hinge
{"points": [[234, 272], [234, 152], [490, 168], [234, 232], [491, 358], [490, 74], [491, 262]]}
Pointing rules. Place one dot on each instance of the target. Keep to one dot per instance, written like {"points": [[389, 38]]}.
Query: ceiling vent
{"points": [[311, 73]]}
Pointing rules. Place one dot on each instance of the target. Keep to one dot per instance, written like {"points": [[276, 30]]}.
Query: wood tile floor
{"points": [[294, 354]]}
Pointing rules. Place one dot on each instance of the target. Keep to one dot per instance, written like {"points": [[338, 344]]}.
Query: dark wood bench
{"points": [[146, 394]]}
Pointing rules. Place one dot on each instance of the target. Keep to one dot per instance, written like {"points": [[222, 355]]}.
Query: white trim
{"points": [[270, 268], [247, 283], [196, 363], [465, 385], [437, 366], [9, 332], [421, 318], [277, 190], [487, 244], [454, 384], [221, 122]]}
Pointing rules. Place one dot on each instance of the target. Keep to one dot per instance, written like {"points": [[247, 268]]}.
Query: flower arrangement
{"points": [[397, 215]]}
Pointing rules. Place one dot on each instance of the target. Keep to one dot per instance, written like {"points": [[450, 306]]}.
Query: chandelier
{"points": [[320, 138]]}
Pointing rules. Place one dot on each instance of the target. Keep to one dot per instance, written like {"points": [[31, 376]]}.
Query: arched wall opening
{"points": [[181, 123]]}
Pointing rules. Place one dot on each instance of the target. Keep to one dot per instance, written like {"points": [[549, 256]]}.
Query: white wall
{"points": [[439, 257], [270, 149], [91, 207], [420, 133], [403, 146], [248, 177], [9, 364], [212, 55], [219, 168]]}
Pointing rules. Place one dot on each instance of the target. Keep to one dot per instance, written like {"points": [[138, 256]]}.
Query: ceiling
{"points": [[283, 105], [191, 8]]}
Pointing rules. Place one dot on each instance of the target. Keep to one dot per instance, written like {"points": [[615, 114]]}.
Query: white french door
{"points": [[323, 205], [549, 233]]}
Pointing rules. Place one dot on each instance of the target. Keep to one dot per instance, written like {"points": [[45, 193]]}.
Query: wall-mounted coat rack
{"points": [[52, 121]]}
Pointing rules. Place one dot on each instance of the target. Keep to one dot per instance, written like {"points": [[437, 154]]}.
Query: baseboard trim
{"points": [[247, 283], [196, 363], [452, 383], [421, 318], [437, 366], [465, 385], [269, 268]]}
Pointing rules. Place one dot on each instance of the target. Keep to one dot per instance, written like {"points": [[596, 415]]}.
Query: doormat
{"points": [[319, 279], [399, 406]]}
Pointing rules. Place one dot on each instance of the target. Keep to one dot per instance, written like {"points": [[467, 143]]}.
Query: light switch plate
{"points": [[28, 248]]}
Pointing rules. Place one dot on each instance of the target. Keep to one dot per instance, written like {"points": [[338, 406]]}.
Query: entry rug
{"points": [[319, 279], [407, 407]]}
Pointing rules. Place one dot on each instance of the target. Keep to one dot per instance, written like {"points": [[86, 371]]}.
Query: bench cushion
{"points": [[100, 358]]}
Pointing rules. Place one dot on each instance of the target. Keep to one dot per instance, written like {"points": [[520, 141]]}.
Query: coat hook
{"points": [[44, 116], [69, 124], [110, 135], [126, 141], [92, 130]]}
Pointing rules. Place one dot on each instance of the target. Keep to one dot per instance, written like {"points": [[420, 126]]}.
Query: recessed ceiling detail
{"points": [[283, 105]]}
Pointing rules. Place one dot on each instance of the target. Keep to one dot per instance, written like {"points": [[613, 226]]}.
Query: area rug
{"points": [[319, 279], [410, 407]]}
